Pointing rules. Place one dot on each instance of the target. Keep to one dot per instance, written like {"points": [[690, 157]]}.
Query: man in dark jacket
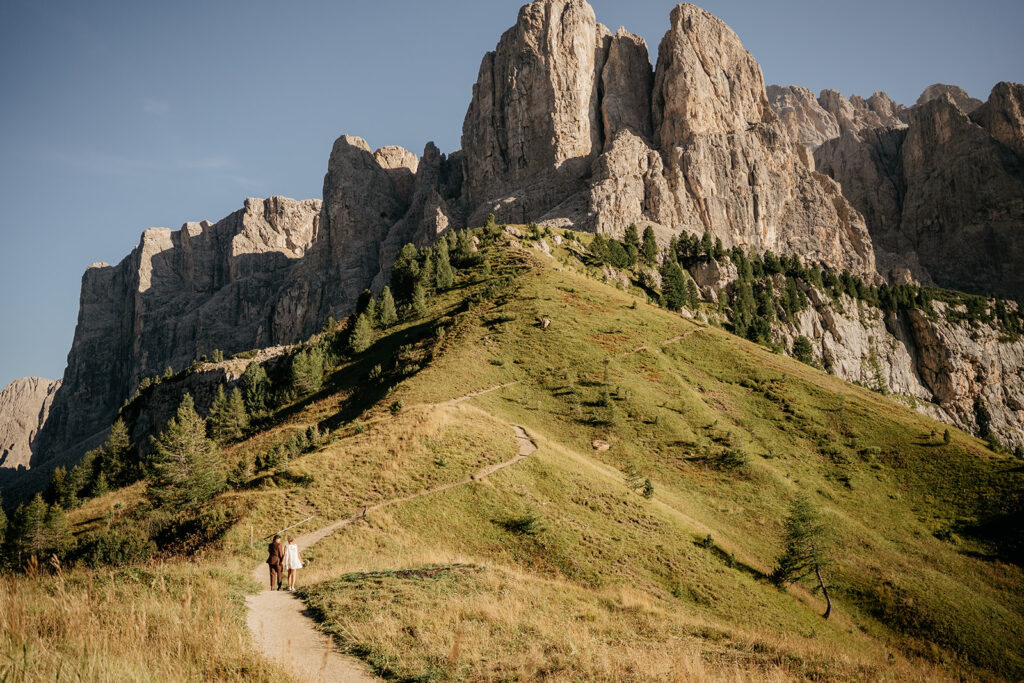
{"points": [[275, 558]]}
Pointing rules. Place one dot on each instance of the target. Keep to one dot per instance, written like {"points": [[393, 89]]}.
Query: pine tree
{"points": [[802, 350], [464, 252], [673, 286], [362, 334], [428, 268], [707, 247], [217, 411], [58, 532], [239, 416], [28, 533], [59, 491], [228, 419], [419, 299], [444, 275], [184, 469], [805, 548], [946, 438], [692, 295], [100, 486], [650, 246], [405, 273], [255, 388], [632, 238], [116, 451], [386, 313], [307, 371]]}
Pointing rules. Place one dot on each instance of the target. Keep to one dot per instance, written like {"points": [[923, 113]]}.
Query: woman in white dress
{"points": [[292, 561]]}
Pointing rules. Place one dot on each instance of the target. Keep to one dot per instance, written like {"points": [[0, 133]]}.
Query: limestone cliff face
{"points": [[806, 121], [811, 120], [946, 369], [942, 368], [945, 195], [177, 296], [268, 274], [558, 132], [24, 407]]}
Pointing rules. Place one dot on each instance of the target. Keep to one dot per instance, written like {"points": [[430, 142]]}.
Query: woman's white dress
{"points": [[291, 557]]}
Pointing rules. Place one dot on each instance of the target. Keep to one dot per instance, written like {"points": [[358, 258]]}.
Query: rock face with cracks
{"points": [[712, 155]]}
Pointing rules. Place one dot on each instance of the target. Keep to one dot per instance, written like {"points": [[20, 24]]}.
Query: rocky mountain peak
{"points": [[1003, 115], [955, 92], [706, 81]]}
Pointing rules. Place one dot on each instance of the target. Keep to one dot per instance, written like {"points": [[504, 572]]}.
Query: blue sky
{"points": [[118, 116]]}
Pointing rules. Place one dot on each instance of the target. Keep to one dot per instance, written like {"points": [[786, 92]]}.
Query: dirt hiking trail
{"points": [[282, 626]]}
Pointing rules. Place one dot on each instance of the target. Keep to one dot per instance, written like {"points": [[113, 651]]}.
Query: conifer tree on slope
{"points": [[116, 450], [184, 468], [649, 251], [444, 275], [362, 334], [228, 419], [805, 548], [386, 313]]}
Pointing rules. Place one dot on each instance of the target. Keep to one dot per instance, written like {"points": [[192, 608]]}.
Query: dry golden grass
{"points": [[163, 623]]}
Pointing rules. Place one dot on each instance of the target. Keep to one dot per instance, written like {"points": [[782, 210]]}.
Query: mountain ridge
{"points": [[683, 149]]}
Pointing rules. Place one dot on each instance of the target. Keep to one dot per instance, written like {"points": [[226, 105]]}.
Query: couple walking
{"points": [[283, 558]]}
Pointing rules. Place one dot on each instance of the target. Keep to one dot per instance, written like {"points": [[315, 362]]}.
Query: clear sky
{"points": [[120, 115]]}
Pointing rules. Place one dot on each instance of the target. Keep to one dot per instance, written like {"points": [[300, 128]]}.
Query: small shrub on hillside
{"points": [[731, 460], [631, 475], [648, 490], [241, 473], [115, 548], [395, 407], [523, 525], [946, 438]]}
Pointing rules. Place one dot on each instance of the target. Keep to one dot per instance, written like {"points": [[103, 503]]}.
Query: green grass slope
{"points": [[555, 568]]}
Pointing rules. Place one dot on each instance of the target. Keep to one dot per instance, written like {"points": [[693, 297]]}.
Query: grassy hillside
{"points": [[554, 567]]}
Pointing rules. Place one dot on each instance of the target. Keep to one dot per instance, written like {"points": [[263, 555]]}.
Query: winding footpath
{"points": [[284, 629], [282, 626]]}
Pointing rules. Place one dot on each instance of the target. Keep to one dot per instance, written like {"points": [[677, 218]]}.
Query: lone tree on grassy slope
{"points": [[805, 548], [184, 468]]}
